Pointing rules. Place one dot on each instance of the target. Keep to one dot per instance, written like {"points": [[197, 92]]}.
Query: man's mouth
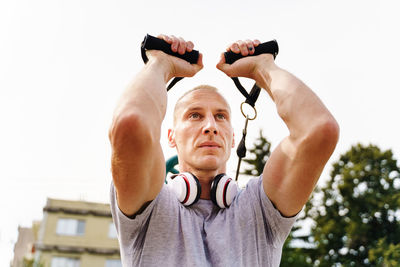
{"points": [[209, 145]]}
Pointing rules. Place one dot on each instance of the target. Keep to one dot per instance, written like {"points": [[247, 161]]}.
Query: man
{"points": [[154, 228]]}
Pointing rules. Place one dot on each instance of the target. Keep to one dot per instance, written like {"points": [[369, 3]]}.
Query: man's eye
{"points": [[221, 116], [194, 116]]}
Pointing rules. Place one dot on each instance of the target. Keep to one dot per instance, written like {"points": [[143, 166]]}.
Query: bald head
{"points": [[180, 103]]}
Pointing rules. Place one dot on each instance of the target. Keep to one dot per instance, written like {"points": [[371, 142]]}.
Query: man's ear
{"points": [[171, 138], [233, 140]]}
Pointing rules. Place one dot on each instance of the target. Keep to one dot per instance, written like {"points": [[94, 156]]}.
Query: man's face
{"points": [[203, 134]]}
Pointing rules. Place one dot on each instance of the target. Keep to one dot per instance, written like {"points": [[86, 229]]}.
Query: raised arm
{"points": [[138, 166], [295, 165]]}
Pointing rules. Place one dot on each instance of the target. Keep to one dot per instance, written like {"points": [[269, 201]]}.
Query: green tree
{"points": [[356, 213], [385, 254], [259, 154], [31, 263]]}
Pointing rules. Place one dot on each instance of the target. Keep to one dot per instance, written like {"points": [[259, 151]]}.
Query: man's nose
{"points": [[210, 126]]}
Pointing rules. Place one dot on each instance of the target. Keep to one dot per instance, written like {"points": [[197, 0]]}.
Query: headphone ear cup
{"points": [[186, 187], [213, 190], [223, 190]]}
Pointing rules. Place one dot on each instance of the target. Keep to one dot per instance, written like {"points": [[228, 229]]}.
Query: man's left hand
{"points": [[248, 66]]}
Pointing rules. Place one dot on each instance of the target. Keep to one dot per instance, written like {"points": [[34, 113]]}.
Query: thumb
{"points": [[221, 65]]}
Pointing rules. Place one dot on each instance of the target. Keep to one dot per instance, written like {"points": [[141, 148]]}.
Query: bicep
{"points": [[292, 171]]}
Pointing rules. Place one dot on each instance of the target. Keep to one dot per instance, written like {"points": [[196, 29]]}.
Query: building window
{"points": [[70, 227], [65, 262], [113, 263], [112, 232]]}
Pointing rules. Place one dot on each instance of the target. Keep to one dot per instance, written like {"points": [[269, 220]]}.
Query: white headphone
{"points": [[187, 188]]}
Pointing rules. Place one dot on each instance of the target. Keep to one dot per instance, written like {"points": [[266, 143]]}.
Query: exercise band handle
{"points": [[154, 43], [270, 47]]}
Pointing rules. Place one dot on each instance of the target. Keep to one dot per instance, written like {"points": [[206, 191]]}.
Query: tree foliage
{"points": [[32, 263], [356, 213], [259, 156], [385, 254]]}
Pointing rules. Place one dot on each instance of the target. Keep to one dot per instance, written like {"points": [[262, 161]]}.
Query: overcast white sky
{"points": [[64, 64]]}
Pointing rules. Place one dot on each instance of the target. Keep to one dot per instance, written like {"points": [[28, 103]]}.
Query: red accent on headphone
{"points": [[188, 188], [224, 192]]}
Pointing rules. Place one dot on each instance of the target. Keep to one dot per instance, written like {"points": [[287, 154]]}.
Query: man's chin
{"points": [[209, 163]]}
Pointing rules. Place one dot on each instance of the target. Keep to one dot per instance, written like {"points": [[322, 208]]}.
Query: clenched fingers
{"points": [[178, 44], [244, 47]]}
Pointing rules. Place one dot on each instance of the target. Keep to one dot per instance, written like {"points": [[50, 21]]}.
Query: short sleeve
{"points": [[128, 228], [262, 206]]}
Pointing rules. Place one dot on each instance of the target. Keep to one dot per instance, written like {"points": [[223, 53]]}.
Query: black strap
{"points": [[173, 82], [154, 43], [254, 93], [270, 47]]}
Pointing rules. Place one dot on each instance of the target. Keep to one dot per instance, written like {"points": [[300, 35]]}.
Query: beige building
{"points": [[76, 234], [24, 247]]}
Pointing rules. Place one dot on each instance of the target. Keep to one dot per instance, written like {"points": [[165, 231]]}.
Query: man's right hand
{"points": [[174, 66]]}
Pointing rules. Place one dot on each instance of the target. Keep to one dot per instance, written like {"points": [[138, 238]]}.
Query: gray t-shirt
{"points": [[250, 232]]}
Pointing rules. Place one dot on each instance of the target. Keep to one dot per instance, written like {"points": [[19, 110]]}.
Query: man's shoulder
{"points": [[165, 201]]}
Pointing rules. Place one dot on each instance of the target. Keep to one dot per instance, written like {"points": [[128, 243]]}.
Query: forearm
{"points": [[298, 106], [138, 164], [146, 96], [295, 165]]}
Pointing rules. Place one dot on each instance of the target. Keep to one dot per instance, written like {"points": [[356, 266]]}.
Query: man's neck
{"points": [[205, 178]]}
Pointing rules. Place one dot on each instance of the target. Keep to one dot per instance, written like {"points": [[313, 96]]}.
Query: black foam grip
{"points": [[270, 47], [154, 43]]}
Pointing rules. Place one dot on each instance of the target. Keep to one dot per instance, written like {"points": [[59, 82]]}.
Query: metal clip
{"points": [[247, 116]]}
